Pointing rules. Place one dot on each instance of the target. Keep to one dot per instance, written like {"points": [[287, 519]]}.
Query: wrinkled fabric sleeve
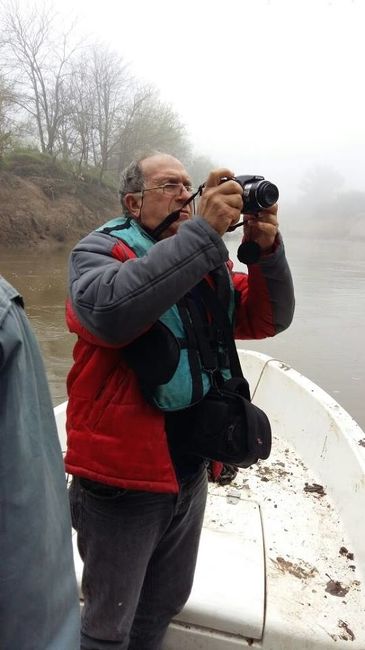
{"points": [[117, 301], [265, 305]]}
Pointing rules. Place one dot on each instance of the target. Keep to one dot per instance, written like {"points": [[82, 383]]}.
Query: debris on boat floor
{"points": [[346, 633], [275, 470], [299, 571], [335, 588], [343, 551], [362, 442], [307, 551], [314, 488]]}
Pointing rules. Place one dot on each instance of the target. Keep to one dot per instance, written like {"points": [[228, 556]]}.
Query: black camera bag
{"points": [[224, 426]]}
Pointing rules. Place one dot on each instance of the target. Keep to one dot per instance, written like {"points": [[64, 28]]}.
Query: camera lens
{"points": [[267, 194]]}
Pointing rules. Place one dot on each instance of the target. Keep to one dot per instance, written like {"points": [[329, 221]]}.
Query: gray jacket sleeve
{"points": [[116, 301]]}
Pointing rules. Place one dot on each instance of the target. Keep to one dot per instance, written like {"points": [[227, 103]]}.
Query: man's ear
{"points": [[133, 203]]}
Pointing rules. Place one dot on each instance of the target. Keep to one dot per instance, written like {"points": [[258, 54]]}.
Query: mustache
{"points": [[173, 216]]}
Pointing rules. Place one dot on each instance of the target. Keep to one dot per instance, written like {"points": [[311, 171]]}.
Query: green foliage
{"points": [[31, 162], [91, 176]]}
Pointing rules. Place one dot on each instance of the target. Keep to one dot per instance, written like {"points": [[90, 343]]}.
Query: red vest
{"points": [[113, 435]]}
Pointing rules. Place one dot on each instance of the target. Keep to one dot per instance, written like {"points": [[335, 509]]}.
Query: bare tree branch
{"points": [[41, 65]]}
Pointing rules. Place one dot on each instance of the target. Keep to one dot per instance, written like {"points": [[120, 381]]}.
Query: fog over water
{"points": [[325, 341]]}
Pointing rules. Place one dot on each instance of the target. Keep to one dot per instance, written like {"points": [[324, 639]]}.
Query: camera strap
{"points": [[173, 216]]}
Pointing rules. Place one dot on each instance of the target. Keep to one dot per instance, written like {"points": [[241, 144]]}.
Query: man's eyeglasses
{"points": [[171, 189]]}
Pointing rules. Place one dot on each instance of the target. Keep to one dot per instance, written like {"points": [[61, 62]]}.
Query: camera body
{"points": [[258, 193]]}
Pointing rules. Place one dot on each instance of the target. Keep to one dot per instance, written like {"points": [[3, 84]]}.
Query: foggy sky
{"points": [[273, 87]]}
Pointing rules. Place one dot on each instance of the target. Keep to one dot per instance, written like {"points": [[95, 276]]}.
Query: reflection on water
{"points": [[325, 341]]}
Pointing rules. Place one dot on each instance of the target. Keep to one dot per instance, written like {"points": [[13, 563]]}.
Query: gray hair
{"points": [[131, 178]]}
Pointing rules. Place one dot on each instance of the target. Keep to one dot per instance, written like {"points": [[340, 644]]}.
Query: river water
{"points": [[325, 341]]}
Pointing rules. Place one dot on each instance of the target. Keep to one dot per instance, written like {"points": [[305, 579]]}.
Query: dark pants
{"points": [[139, 551]]}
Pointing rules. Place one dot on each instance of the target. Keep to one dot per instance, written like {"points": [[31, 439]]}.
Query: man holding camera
{"points": [[137, 502]]}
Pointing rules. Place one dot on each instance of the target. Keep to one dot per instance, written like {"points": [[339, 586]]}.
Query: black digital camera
{"points": [[257, 193]]}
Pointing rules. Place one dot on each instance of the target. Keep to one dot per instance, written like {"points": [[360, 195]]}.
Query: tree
{"points": [[84, 107], [6, 123], [76, 126], [39, 64], [99, 94], [110, 82], [149, 124]]}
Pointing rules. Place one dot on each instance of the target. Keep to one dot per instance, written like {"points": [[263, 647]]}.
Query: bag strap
{"points": [[215, 307], [208, 358], [193, 347]]}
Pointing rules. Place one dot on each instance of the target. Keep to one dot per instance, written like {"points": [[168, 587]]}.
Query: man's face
{"points": [[156, 204]]}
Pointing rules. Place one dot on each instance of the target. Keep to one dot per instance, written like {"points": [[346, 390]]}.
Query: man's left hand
{"points": [[262, 228]]}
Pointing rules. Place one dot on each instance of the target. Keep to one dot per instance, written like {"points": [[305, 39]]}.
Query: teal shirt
{"points": [[39, 606]]}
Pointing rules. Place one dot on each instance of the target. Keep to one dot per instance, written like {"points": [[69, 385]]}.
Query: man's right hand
{"points": [[221, 203]]}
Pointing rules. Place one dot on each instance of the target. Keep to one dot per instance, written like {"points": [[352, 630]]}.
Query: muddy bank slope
{"points": [[45, 211]]}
